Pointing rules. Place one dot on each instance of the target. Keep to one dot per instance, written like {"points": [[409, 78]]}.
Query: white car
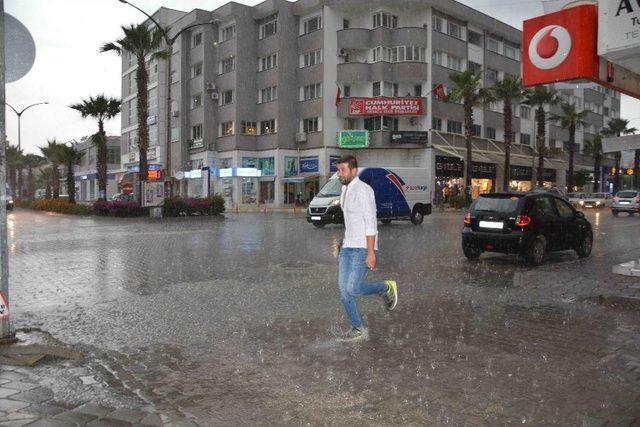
{"points": [[575, 198], [596, 200]]}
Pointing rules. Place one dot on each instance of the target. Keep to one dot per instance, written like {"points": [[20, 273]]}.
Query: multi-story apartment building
{"points": [[262, 95], [86, 173]]}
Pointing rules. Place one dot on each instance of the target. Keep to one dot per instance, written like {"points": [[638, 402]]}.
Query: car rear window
{"points": [[504, 204], [627, 194]]}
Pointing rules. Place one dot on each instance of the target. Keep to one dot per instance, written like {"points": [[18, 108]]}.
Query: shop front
{"points": [[449, 178], [301, 180], [520, 178], [549, 178], [483, 178]]}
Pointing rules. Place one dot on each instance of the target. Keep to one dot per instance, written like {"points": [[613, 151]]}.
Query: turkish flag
{"points": [[440, 93], [338, 97]]}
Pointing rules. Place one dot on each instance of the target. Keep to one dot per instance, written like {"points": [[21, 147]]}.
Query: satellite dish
{"points": [[19, 49]]}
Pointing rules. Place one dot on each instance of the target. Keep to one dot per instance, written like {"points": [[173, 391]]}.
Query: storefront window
{"points": [[267, 191], [249, 190]]}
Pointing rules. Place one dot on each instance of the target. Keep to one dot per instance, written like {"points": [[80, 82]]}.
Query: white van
{"points": [[401, 194]]}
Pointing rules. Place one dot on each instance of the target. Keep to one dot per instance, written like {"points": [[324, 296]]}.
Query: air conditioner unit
{"points": [[343, 52], [301, 137], [209, 86], [175, 113], [215, 96]]}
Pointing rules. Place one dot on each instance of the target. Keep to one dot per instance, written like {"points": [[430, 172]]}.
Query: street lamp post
{"points": [[19, 114], [169, 53]]}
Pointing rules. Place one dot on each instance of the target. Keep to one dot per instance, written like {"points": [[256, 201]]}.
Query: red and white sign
{"points": [[561, 46], [386, 107], [4, 307]]}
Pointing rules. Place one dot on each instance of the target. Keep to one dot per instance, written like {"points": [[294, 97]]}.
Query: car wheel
{"points": [[318, 224], [471, 250], [417, 218], [584, 247], [386, 221], [537, 251]]}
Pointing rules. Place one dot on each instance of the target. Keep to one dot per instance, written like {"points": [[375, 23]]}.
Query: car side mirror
{"points": [[579, 214]]}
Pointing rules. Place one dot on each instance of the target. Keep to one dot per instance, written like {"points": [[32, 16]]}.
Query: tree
{"points": [[539, 98], [69, 157], [50, 152], [619, 127], [581, 178], [32, 161], [13, 155], [593, 147], [570, 119], [100, 108], [139, 41], [510, 92], [44, 180], [466, 88]]}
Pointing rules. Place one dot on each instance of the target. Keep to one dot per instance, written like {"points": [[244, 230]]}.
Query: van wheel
{"points": [[417, 217], [318, 225], [385, 221], [471, 250], [536, 253], [583, 249]]}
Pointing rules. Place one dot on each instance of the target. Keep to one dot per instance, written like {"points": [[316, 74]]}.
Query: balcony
{"points": [[397, 72], [363, 38]]}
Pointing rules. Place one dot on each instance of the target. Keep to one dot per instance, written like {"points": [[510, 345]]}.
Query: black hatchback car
{"points": [[530, 225]]}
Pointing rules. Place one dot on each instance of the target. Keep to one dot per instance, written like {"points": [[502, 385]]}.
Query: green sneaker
{"points": [[391, 296], [355, 334]]}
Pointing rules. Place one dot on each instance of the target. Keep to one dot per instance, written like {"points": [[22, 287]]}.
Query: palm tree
{"points": [[100, 108], [69, 157], [44, 180], [570, 119], [138, 40], [467, 88], [619, 127], [593, 147], [538, 98], [510, 92], [50, 153], [12, 154], [32, 161]]}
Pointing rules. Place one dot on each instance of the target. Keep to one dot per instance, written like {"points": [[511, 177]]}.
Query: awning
{"points": [[300, 178]]}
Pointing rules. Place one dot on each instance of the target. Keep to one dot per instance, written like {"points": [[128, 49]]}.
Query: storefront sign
{"points": [[385, 107], [225, 173], [151, 167], [267, 166], [483, 170], [247, 172], [154, 175], [449, 167], [353, 138], [290, 166], [333, 163], [521, 173], [309, 164], [619, 30], [410, 137]]}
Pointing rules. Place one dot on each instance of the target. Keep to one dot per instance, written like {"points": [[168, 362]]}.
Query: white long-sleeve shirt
{"points": [[360, 216]]}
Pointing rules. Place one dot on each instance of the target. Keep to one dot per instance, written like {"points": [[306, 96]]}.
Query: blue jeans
{"points": [[352, 272]]}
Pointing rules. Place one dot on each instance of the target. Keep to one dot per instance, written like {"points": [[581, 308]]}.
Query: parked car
{"points": [[530, 225], [626, 201], [575, 198], [595, 200]]}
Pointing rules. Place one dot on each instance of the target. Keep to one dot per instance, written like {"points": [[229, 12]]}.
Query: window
{"points": [[225, 129], [133, 112], [196, 132], [474, 66], [417, 90], [268, 62], [493, 45], [436, 58], [490, 133], [437, 23], [492, 75], [175, 134], [454, 63], [347, 91], [196, 40], [269, 28], [436, 123], [227, 65], [382, 53], [228, 33], [345, 24], [196, 101], [384, 19], [564, 209], [311, 92], [454, 127], [312, 24], [227, 97], [378, 123], [408, 53], [544, 206], [113, 156], [454, 30], [311, 125], [477, 130], [474, 38], [385, 89], [267, 94], [525, 139], [350, 123], [248, 128], [196, 70], [509, 51], [606, 111], [493, 106], [312, 58], [267, 127]]}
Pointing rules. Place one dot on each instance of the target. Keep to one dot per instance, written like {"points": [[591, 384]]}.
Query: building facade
{"points": [[264, 96], [85, 174]]}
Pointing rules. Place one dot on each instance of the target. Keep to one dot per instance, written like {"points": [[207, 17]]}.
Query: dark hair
{"points": [[350, 160]]}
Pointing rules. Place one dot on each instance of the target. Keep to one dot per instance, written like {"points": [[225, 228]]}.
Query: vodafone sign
{"points": [[561, 46]]}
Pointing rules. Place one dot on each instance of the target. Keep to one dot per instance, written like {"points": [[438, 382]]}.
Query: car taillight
{"points": [[467, 220], [523, 220]]}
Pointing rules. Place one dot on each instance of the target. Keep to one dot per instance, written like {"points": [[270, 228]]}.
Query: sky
{"points": [[69, 68]]}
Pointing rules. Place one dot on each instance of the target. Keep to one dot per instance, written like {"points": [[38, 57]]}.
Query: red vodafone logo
{"points": [[549, 47]]}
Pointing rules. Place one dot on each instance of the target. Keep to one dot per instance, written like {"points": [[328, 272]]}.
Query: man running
{"points": [[357, 255]]}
